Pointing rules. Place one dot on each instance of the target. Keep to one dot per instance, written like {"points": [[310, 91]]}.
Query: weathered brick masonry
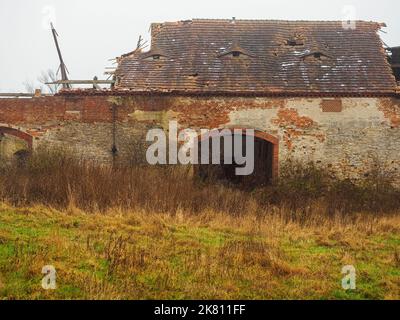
{"points": [[346, 135], [317, 91]]}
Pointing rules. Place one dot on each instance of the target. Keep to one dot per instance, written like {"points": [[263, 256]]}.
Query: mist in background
{"points": [[94, 31]]}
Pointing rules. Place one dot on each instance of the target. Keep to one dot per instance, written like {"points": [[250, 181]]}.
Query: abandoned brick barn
{"points": [[314, 91]]}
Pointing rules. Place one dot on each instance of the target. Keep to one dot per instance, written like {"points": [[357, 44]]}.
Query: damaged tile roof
{"points": [[259, 57]]}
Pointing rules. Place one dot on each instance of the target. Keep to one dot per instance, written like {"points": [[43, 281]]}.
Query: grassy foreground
{"points": [[120, 255]]}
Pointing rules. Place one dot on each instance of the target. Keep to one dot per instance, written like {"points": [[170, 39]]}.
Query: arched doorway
{"points": [[266, 152], [14, 144]]}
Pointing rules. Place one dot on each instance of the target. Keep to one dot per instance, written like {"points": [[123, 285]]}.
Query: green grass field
{"points": [[121, 255]]}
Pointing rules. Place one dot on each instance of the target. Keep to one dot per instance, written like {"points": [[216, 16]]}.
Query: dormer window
{"points": [[316, 56], [235, 52], [154, 55]]}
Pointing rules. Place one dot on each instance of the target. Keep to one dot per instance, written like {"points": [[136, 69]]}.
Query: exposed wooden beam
{"points": [[91, 82], [63, 68], [23, 95]]}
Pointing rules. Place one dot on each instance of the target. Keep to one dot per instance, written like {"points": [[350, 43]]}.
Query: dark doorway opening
{"points": [[264, 162], [21, 157]]}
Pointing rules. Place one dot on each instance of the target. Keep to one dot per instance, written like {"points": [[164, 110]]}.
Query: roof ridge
{"points": [[274, 20], [375, 24]]}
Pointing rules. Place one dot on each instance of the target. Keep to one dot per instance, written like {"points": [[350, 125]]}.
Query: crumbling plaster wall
{"points": [[347, 138], [364, 133]]}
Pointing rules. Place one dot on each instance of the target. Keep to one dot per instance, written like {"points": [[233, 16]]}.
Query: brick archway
{"points": [[275, 150], [274, 141], [19, 134]]}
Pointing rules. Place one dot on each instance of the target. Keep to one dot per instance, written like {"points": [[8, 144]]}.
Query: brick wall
{"points": [[345, 135]]}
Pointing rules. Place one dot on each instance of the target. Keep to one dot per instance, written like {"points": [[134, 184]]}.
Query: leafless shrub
{"points": [[57, 179]]}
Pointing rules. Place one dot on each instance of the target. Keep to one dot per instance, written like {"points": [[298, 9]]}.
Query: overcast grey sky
{"points": [[93, 31]]}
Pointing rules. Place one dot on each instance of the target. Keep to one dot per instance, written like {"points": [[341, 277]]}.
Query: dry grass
{"points": [[56, 179], [142, 255], [157, 233]]}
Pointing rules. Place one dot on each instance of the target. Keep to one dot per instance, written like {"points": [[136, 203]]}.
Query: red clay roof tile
{"points": [[326, 58]]}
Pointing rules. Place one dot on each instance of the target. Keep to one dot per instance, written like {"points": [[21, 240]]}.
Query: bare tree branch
{"points": [[29, 86], [49, 76]]}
